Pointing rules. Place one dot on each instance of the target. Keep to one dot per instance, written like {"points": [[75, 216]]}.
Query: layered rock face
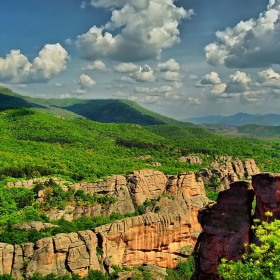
{"points": [[133, 190], [227, 170], [163, 239], [61, 254], [152, 239], [226, 224]]}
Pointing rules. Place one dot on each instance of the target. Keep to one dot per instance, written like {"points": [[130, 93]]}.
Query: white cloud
{"points": [[269, 78], [251, 96], [79, 91], [127, 79], [193, 101], [145, 29], [177, 85], [58, 85], [68, 42], [170, 65], [96, 65], [16, 68], [150, 99], [126, 67], [218, 89], [193, 77], [210, 79], [86, 81], [153, 90], [144, 74], [239, 82], [251, 43], [171, 76]]}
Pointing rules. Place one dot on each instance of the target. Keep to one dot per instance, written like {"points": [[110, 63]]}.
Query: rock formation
{"points": [[191, 159], [226, 227], [267, 189], [226, 170], [163, 238], [152, 239], [227, 223]]}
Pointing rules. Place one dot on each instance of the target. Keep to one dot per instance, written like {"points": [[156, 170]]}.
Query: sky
{"points": [[182, 59]]}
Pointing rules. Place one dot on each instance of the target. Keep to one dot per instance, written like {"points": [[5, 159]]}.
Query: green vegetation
{"points": [[92, 275], [264, 131], [183, 271], [260, 262], [17, 236]]}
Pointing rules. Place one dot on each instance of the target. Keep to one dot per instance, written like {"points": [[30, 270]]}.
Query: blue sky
{"points": [[179, 58]]}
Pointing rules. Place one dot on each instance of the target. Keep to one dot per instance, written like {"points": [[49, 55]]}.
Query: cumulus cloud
{"points": [[16, 68], [128, 80], [193, 100], [145, 28], [251, 97], [86, 81], [170, 65], [153, 90], [210, 79], [150, 99], [171, 76], [239, 82], [97, 65], [144, 74], [79, 91], [251, 43], [269, 78], [126, 67]]}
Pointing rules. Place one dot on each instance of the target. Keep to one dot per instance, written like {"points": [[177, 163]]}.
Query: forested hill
{"points": [[101, 110]]}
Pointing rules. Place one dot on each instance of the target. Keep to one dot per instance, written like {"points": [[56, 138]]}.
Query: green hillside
{"points": [[101, 110], [264, 131]]}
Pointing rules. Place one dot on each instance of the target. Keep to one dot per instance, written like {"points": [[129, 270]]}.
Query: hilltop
{"points": [[101, 110]]}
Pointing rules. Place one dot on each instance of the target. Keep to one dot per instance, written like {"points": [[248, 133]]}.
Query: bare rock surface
{"points": [[150, 239], [191, 159], [146, 184], [267, 189], [226, 227]]}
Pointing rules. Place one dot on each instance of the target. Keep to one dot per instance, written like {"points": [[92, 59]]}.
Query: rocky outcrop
{"points": [[146, 184], [226, 170], [226, 227], [191, 159], [267, 190], [227, 223], [61, 254], [163, 239], [152, 239]]}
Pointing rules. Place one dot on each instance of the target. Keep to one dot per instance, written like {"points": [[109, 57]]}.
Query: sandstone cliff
{"points": [[226, 224], [226, 170], [163, 239]]}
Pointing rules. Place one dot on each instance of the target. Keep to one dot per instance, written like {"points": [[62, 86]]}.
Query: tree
{"points": [[260, 262]]}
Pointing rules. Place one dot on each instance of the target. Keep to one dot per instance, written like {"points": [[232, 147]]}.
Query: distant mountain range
{"points": [[238, 119]]}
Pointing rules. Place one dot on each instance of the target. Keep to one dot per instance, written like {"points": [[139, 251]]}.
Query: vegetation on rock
{"points": [[261, 260]]}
